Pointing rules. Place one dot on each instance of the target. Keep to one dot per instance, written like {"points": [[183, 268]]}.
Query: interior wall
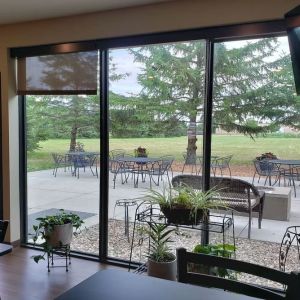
{"points": [[169, 16]]}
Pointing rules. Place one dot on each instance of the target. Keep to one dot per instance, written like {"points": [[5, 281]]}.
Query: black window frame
{"points": [[212, 35]]}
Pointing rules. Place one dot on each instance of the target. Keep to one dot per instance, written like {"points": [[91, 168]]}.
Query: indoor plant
{"points": [[55, 231], [224, 250], [184, 205], [161, 262]]}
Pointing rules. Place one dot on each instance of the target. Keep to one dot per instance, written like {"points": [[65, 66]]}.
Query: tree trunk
{"points": [[192, 140], [73, 138]]}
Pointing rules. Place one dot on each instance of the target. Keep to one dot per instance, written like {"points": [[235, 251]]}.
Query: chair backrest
{"points": [[185, 259], [223, 161], [224, 185], [166, 162], [116, 153], [3, 228], [263, 167]]}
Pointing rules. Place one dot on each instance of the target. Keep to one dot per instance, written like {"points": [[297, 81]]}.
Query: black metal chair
{"points": [[160, 168], [84, 161], [3, 229], [290, 281], [266, 168], [119, 167], [189, 160], [236, 194], [221, 163], [61, 161]]}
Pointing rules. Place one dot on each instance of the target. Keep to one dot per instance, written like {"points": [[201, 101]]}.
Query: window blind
{"points": [[58, 74]]}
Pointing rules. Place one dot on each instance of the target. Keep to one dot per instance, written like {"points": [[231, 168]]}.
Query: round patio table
{"points": [[137, 166]]}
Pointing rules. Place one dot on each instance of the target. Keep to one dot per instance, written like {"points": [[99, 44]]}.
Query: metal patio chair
{"points": [[160, 168], [266, 168], [186, 158], [61, 161], [84, 161], [221, 163]]}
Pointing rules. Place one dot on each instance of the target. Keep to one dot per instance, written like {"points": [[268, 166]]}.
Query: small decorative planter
{"points": [[182, 216], [61, 235], [267, 155], [140, 152]]}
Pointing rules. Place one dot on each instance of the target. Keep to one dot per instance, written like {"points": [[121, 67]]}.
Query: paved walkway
{"points": [[65, 191]]}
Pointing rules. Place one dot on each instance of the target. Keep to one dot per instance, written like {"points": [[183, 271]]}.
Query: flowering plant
{"points": [[140, 152], [267, 155]]}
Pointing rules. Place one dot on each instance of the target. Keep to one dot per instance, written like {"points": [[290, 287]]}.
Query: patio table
{"points": [[290, 164], [137, 166]]}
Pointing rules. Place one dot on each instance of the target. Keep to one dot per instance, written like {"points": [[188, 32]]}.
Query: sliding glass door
{"points": [[156, 100]]}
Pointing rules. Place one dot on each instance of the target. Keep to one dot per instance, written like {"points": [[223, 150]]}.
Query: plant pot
{"points": [[165, 270], [60, 236], [182, 216]]}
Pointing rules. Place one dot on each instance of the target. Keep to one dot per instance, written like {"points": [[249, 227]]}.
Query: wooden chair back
{"points": [[290, 281]]}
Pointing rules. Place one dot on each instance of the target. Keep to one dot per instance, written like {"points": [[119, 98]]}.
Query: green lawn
{"points": [[243, 149]]}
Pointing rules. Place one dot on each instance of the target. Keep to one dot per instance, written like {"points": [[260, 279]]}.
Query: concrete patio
{"points": [[65, 191]]}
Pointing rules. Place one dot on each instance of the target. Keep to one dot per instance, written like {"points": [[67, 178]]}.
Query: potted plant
{"points": [[55, 231], [224, 250], [161, 262], [140, 152], [184, 205], [267, 155]]}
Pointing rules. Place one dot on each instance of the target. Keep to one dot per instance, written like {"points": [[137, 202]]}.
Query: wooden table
{"points": [[122, 285], [4, 249]]}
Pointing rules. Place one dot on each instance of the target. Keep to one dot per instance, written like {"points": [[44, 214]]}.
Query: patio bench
{"points": [[236, 194]]}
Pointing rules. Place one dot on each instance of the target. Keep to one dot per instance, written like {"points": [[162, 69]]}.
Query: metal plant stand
{"points": [[62, 252], [126, 203], [150, 214], [290, 238]]}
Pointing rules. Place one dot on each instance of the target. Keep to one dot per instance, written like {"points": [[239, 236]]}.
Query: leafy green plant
{"points": [[185, 197], [223, 250], [160, 237], [46, 226]]}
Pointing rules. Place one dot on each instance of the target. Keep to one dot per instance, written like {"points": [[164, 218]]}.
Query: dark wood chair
{"points": [[291, 281], [236, 194], [3, 228]]}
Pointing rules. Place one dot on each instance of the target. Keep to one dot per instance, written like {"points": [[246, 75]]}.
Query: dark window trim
{"points": [[23, 169], [1, 165], [216, 33], [211, 35], [104, 146]]}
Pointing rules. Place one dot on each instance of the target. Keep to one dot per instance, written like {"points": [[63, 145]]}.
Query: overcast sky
{"points": [[125, 64]]}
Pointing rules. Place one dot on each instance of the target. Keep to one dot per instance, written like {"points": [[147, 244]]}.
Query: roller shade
{"points": [[58, 74]]}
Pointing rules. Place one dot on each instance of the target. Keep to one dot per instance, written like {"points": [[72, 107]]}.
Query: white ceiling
{"points": [[13, 11]]}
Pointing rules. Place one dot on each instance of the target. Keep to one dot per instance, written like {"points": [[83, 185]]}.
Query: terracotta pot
{"points": [[61, 235], [182, 216], [165, 270]]}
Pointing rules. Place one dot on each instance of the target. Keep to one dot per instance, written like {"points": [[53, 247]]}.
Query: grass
{"points": [[243, 149]]}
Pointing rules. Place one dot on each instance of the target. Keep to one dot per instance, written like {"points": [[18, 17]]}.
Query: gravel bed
{"points": [[253, 251]]}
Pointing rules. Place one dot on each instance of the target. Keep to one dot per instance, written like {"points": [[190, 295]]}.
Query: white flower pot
{"points": [[61, 235]]}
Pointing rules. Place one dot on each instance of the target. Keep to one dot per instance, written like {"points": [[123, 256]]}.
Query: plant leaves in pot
{"points": [[223, 250], [161, 262], [184, 205], [55, 231]]}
